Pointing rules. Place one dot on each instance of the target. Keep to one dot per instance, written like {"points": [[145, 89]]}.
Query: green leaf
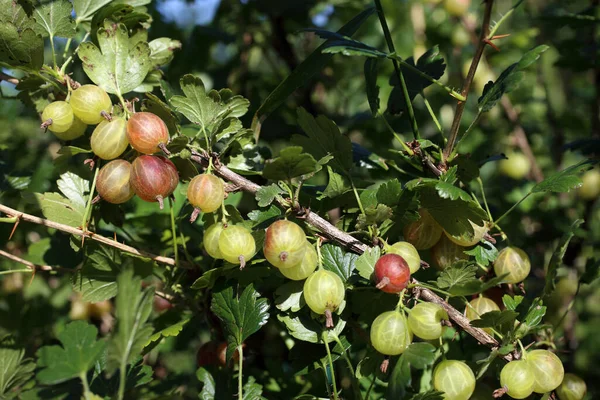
{"points": [[209, 387], [208, 279], [371, 85], [85, 9], [324, 138], [431, 395], [340, 44], [260, 216], [338, 261], [118, 66], [133, 308], [199, 107], [389, 193], [337, 185], [456, 275], [16, 370], [557, 257], [162, 50], [495, 319], [484, 253], [168, 325], [365, 263], [291, 163], [564, 180], [431, 63], [267, 194], [57, 208], [303, 327], [511, 303], [55, 18], [78, 353], [509, 80], [74, 188], [252, 390], [420, 355], [241, 315], [314, 63], [21, 46], [534, 315], [399, 380], [373, 216], [289, 296]]}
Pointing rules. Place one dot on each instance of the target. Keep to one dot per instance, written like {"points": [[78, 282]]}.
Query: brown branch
{"points": [[348, 242], [8, 78], [460, 107], [90, 235], [28, 264]]}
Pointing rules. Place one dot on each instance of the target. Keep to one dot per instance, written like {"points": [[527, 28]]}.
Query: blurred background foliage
{"points": [[250, 46]]}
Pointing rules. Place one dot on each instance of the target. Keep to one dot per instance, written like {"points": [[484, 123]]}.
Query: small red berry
{"points": [[392, 273]]}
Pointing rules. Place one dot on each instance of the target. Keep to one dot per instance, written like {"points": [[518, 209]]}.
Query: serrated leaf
{"points": [[511, 303], [55, 18], [458, 274], [535, 314], [420, 355], [289, 296], [16, 370], [170, 325], [431, 63], [370, 71], [77, 355], [208, 279], [260, 216], [449, 191], [196, 105], [209, 387], [241, 315], [365, 263], [252, 390], [133, 308], [484, 253], [564, 180], [373, 216], [291, 163], [162, 50], [57, 208], [389, 192], [74, 188], [336, 186], [557, 257], [118, 66], [338, 261], [324, 138], [20, 46], [84, 9], [508, 80], [303, 327], [495, 319], [267, 194]]}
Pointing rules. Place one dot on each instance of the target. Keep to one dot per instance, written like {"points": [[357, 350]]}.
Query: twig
{"points": [[460, 106], [29, 264], [90, 235], [348, 242], [8, 78]]}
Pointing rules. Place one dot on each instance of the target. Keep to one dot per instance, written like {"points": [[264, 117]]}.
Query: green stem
{"points": [[480, 182], [512, 208], [326, 380], [400, 305], [390, 43], [53, 52], [9, 220], [434, 117], [500, 21], [398, 138], [324, 336], [471, 126], [12, 271], [174, 232], [426, 286], [86, 386], [67, 45], [68, 60], [240, 375], [417, 71], [355, 383], [88, 207], [122, 376], [360, 205], [371, 387]]}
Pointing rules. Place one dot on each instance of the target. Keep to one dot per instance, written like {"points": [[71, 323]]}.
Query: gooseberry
{"points": [[211, 240], [391, 273], [147, 133], [424, 320], [58, 117], [467, 238], [455, 379], [285, 243], [205, 193], [424, 232], [517, 166], [408, 252], [76, 130], [109, 139], [590, 187], [517, 379], [100, 309], [445, 253], [113, 182], [572, 388], [547, 369], [514, 262], [90, 104], [390, 333], [237, 245], [305, 268], [153, 178], [207, 354], [324, 292], [457, 8], [479, 306], [79, 309]]}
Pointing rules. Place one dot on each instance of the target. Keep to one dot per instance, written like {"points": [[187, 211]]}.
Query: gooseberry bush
{"points": [[251, 234]]}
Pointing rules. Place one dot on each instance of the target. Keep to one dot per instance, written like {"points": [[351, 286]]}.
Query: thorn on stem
{"points": [[195, 214], [491, 44], [328, 319], [14, 227]]}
